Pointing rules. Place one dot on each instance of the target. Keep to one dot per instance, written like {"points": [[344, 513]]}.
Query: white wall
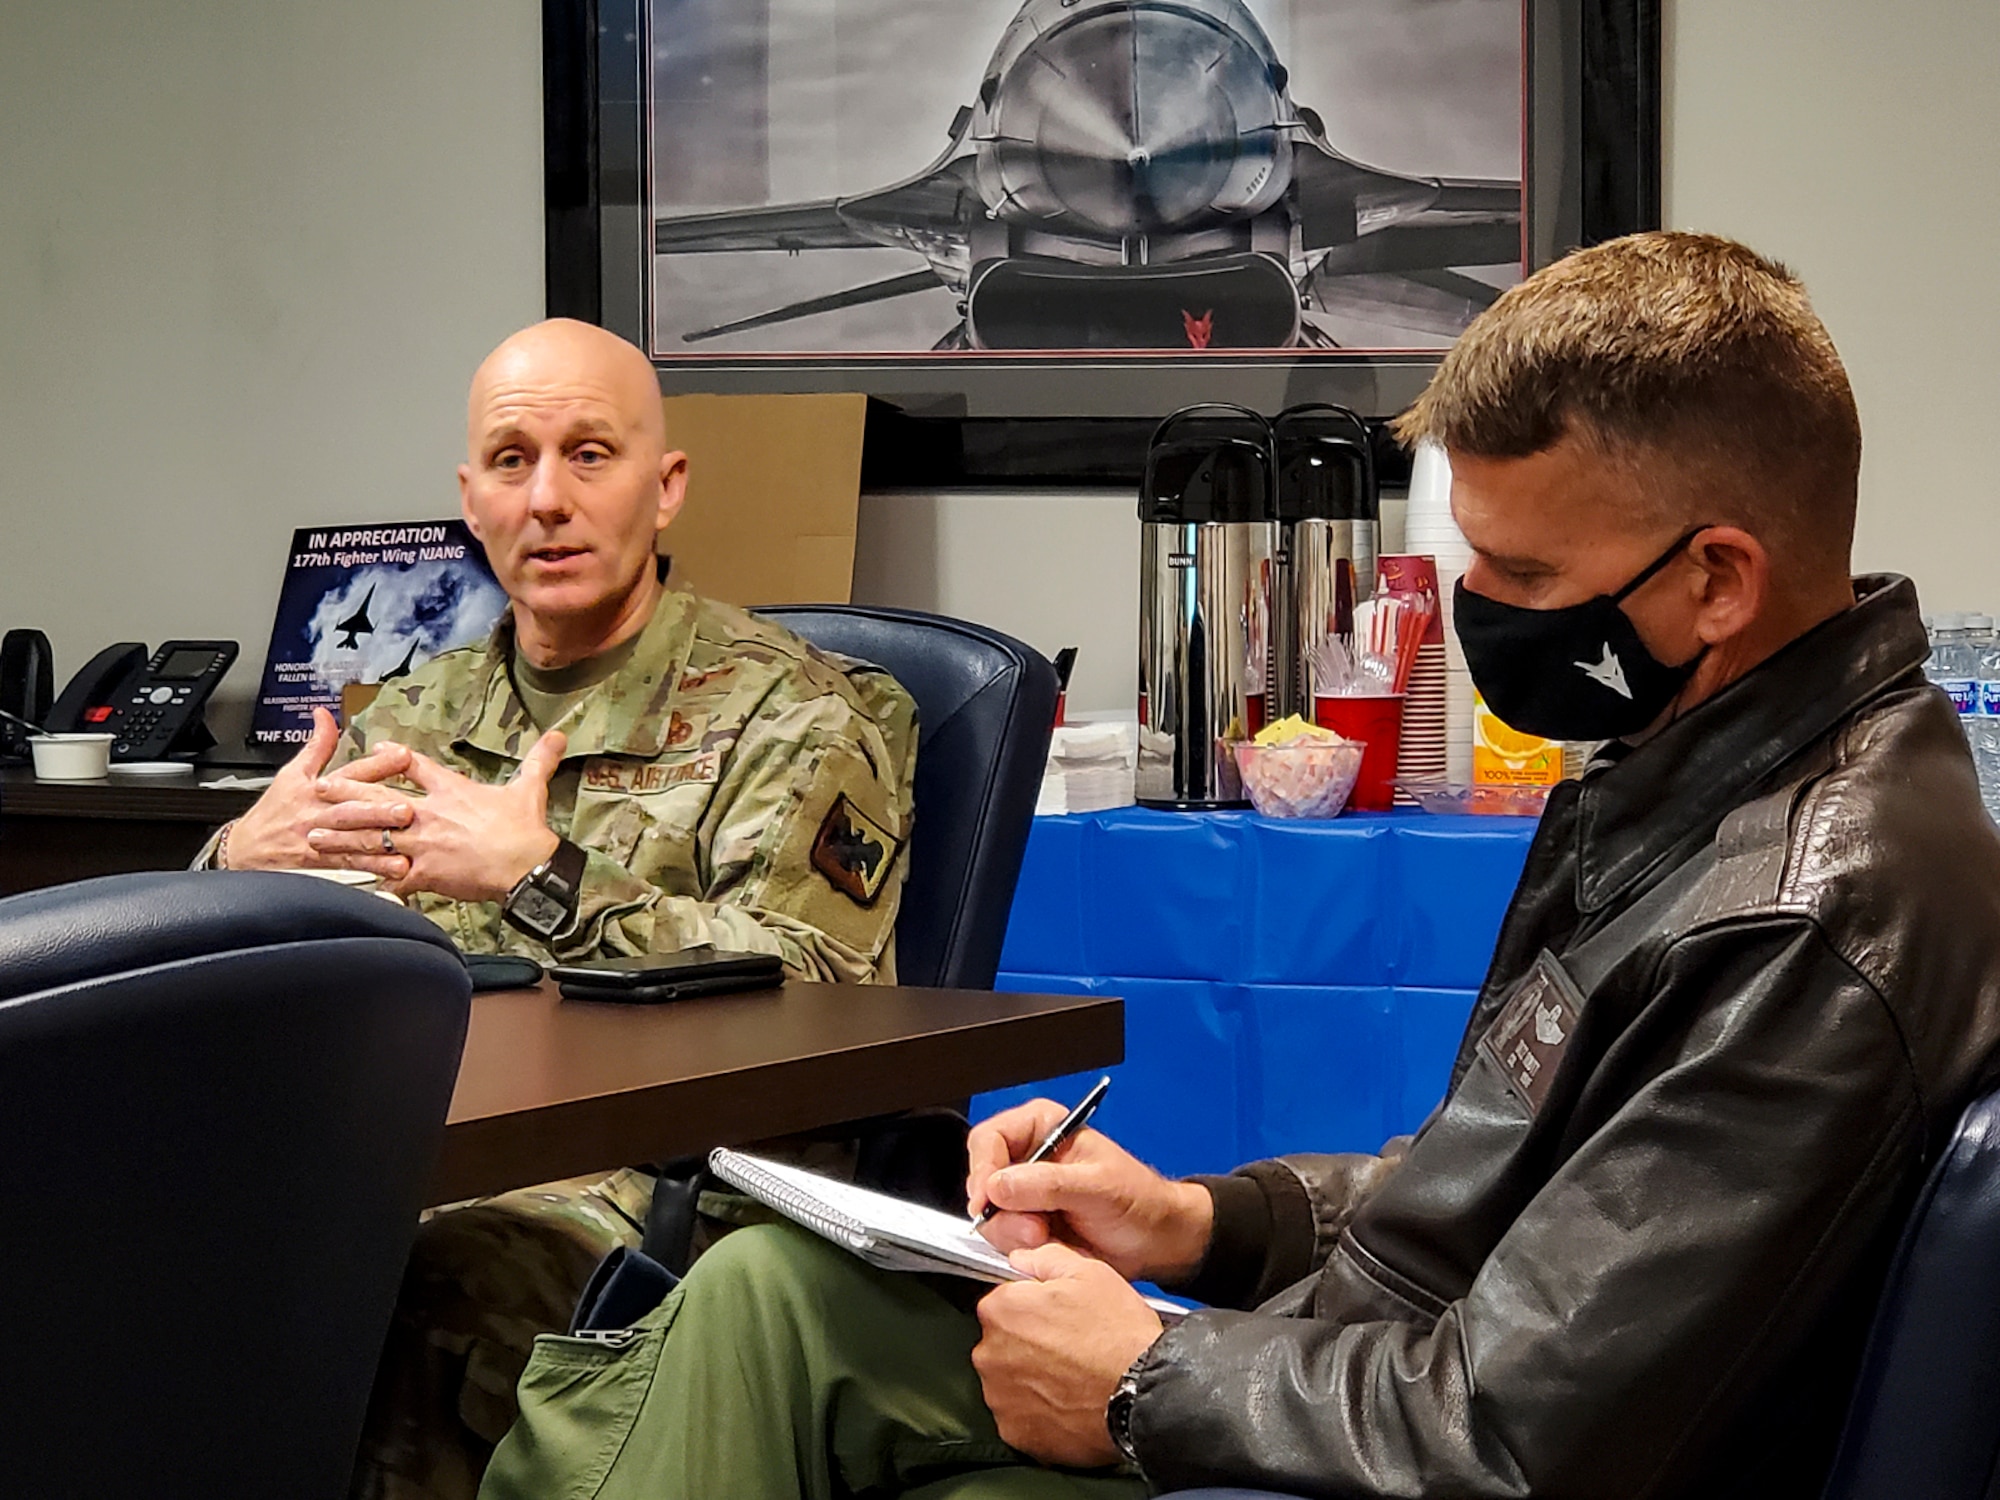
{"points": [[1860, 142], [249, 255], [250, 252], [1053, 568]]}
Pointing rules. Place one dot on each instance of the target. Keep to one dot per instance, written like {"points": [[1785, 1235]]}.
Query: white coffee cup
{"points": [[359, 880], [71, 757]]}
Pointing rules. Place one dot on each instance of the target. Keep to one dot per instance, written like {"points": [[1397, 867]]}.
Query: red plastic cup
{"points": [[1254, 715], [1377, 722]]}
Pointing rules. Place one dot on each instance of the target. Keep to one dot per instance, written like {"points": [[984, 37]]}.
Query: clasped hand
{"points": [[1084, 1226], [456, 837]]}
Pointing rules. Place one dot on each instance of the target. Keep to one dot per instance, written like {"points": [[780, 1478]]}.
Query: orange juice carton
{"points": [[1503, 756]]}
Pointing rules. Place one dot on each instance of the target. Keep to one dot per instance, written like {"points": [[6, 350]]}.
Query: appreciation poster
{"points": [[368, 604]]}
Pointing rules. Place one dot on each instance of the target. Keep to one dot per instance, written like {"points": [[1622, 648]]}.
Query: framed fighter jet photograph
{"points": [[1124, 177], [1081, 208]]}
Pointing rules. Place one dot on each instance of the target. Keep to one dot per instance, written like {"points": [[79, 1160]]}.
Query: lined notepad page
{"points": [[862, 1220], [858, 1210]]}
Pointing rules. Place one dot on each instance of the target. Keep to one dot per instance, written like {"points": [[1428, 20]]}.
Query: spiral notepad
{"points": [[888, 1232]]}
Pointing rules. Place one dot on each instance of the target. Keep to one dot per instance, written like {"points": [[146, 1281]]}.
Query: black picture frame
{"points": [[1593, 127]]}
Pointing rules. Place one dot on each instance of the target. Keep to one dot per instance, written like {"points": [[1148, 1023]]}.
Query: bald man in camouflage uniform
{"points": [[715, 780], [730, 784]]}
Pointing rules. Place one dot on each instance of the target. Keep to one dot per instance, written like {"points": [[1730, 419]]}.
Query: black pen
{"points": [[1074, 1121]]}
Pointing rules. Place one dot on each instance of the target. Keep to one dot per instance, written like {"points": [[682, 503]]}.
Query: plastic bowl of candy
{"points": [[1303, 778]]}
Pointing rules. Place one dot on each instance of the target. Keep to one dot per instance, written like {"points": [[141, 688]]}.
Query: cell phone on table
{"points": [[651, 978]]}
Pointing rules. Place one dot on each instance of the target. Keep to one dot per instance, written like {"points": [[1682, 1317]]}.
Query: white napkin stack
{"points": [[1090, 768]]}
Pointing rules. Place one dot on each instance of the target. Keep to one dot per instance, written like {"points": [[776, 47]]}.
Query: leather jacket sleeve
{"points": [[1277, 1221], [1750, 1161]]}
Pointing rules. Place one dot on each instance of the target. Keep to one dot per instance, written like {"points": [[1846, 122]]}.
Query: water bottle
{"points": [[1953, 663], [1939, 631], [1983, 726]]}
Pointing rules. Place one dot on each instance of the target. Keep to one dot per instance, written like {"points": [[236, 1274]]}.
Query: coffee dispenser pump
{"points": [[1329, 512], [1209, 601]]}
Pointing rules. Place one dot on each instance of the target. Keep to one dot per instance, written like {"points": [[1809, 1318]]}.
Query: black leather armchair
{"points": [[1925, 1423], [985, 705], [221, 1098], [1926, 1414]]}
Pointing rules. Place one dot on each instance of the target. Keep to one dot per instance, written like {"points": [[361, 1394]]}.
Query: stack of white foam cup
{"points": [[1430, 530]]}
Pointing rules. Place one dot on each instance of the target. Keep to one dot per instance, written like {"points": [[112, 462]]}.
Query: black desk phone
{"points": [[152, 701]]}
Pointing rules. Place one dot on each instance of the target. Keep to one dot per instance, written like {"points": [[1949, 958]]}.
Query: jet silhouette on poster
{"points": [[357, 624], [1134, 175]]}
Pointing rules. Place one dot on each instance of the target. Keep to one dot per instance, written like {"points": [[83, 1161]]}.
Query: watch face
{"points": [[538, 911]]}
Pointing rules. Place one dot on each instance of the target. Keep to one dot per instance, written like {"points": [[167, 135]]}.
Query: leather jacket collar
{"points": [[1635, 811]]}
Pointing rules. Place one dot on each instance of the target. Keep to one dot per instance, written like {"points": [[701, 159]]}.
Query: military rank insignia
{"points": [[853, 852]]}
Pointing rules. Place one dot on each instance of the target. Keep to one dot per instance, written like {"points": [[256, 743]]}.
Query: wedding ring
{"points": [[388, 842]]}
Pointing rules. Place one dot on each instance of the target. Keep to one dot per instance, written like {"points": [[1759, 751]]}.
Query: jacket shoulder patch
{"points": [[1526, 1042], [854, 852]]}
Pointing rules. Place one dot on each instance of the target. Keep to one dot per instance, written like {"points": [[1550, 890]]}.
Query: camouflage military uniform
{"points": [[731, 786]]}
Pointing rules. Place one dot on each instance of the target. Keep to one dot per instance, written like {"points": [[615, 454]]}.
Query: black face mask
{"points": [[1576, 673]]}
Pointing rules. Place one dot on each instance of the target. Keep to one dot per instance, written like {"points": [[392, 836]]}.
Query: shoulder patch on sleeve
{"points": [[854, 852]]}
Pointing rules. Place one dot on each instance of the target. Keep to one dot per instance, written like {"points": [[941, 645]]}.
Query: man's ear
{"points": [[465, 502], [1735, 582], [673, 488]]}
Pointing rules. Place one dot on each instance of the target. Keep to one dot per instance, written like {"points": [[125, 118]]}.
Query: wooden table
{"points": [[551, 1088], [57, 831]]}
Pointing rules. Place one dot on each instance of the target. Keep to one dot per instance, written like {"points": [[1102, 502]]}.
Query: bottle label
{"points": [[1964, 693], [1989, 697]]}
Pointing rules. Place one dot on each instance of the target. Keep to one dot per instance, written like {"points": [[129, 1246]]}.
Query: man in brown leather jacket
{"points": [[1749, 980]]}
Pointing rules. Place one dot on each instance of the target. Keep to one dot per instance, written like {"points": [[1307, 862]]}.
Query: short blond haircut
{"points": [[1690, 359]]}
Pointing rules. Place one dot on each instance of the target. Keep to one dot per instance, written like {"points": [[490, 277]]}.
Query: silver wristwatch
{"points": [[1118, 1412], [544, 899]]}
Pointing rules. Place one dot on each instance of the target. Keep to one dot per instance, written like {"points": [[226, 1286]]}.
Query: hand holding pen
{"points": [[1083, 1189], [1056, 1139]]}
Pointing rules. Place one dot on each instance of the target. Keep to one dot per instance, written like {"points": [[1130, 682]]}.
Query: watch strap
{"points": [[1118, 1412], [557, 879], [565, 867]]}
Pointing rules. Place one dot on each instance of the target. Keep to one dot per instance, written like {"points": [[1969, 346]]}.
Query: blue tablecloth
{"points": [[1288, 985]]}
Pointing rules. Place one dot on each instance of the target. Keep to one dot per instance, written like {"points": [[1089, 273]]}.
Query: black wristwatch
{"points": [[544, 899], [1118, 1412]]}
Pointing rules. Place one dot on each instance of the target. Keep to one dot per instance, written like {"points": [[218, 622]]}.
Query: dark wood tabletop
{"points": [[56, 831], [551, 1088], [183, 798]]}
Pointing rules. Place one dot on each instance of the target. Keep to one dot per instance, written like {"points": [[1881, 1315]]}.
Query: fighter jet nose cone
{"points": [[1135, 119]]}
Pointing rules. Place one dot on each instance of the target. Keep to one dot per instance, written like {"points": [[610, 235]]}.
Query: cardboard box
{"points": [[774, 487], [354, 697]]}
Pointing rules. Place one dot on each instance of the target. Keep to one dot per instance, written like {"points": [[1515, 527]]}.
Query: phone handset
{"points": [[84, 702], [27, 687]]}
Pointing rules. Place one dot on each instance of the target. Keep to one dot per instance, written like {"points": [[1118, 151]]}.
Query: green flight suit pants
{"points": [[781, 1367]]}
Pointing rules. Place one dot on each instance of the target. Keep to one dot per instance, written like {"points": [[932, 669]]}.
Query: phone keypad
{"points": [[140, 723]]}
